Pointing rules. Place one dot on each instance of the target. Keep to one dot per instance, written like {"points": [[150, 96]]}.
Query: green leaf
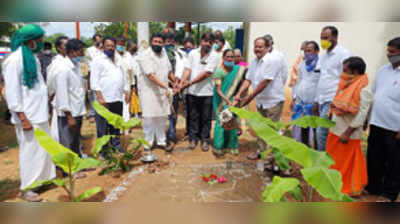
{"points": [[283, 163], [60, 155], [297, 194], [131, 123], [346, 198], [100, 142], [321, 159], [37, 184], [278, 188], [313, 122], [87, 163], [87, 194], [113, 119], [327, 182], [140, 141], [289, 147]]}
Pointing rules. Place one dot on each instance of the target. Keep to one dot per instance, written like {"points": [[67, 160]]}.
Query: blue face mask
{"points": [[310, 57], [120, 48], [229, 64], [109, 54], [77, 59], [189, 50]]}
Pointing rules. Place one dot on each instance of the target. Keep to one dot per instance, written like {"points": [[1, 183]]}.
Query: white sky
{"points": [[87, 28]]}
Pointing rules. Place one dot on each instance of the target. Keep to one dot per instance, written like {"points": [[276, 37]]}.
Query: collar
{"points": [[69, 63]]}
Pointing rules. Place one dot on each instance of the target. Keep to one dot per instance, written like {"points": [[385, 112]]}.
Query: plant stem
{"points": [[310, 193], [71, 181]]}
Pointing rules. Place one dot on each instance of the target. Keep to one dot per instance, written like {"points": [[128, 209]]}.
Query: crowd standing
{"points": [[166, 78]]}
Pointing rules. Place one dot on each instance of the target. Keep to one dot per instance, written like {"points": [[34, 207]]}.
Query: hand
{"points": [[365, 126], [26, 125], [230, 104], [236, 98], [127, 97], [167, 92], [344, 138], [71, 122], [245, 101], [398, 135], [315, 109], [102, 102]]}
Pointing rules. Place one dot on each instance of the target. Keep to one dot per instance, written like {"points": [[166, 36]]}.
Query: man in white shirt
{"points": [[178, 60], [112, 88], [202, 63], [127, 65], [304, 91], [383, 157], [91, 53], [61, 47], [331, 69], [267, 79], [27, 99], [154, 93], [135, 109], [70, 96]]}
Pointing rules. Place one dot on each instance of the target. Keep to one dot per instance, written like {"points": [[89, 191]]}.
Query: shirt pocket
{"points": [[393, 91]]}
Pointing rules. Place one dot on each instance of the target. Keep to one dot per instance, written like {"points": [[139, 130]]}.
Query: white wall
{"points": [[364, 39]]}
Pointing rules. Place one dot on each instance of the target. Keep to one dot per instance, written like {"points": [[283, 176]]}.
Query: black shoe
{"points": [[192, 144], [205, 147]]}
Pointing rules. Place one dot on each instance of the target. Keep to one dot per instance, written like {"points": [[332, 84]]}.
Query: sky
{"points": [[87, 28]]}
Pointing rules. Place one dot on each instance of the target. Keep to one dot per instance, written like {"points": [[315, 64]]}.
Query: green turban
{"points": [[28, 32]]}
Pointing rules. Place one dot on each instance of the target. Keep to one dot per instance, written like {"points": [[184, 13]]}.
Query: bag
{"points": [[227, 120]]}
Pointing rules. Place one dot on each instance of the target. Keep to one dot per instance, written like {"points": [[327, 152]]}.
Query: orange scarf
{"points": [[347, 99]]}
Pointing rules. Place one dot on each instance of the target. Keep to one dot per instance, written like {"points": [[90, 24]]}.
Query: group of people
{"points": [[152, 84]]}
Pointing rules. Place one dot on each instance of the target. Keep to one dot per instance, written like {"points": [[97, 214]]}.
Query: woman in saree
{"points": [[349, 109], [227, 80]]}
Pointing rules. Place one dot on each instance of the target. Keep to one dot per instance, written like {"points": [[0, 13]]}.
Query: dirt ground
{"points": [[178, 178]]}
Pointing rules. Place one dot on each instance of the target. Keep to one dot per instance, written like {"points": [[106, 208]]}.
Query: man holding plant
{"points": [[268, 82]]}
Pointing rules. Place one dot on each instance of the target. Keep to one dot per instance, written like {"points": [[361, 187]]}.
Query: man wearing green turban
{"points": [[27, 99]]}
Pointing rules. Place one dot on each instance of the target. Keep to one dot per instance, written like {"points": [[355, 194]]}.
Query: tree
{"points": [[229, 35]]}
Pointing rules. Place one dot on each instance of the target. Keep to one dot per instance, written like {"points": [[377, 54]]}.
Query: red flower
{"points": [[206, 179], [213, 176], [222, 180]]}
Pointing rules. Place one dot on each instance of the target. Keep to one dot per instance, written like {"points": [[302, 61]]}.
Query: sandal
{"points": [[30, 196], [382, 199], [218, 153], [234, 152]]}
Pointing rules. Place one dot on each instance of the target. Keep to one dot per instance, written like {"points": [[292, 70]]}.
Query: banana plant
{"points": [[69, 162], [116, 160], [316, 165]]}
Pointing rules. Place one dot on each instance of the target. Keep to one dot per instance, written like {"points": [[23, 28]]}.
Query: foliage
{"points": [[115, 120], [69, 162], [116, 160], [316, 165], [279, 186]]}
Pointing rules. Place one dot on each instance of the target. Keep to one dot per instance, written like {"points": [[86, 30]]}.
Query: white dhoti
{"points": [[125, 113], [154, 129], [54, 127], [34, 162]]}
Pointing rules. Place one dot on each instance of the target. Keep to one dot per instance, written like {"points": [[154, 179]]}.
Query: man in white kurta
{"points": [[154, 93], [58, 60], [28, 103]]}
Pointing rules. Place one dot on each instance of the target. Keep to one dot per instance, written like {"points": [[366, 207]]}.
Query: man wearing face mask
{"points": [[27, 99], [58, 60], [45, 58], [92, 53], [112, 88], [135, 109], [127, 65], [154, 94], [70, 96], [178, 60], [331, 69], [202, 63], [304, 91], [383, 157]]}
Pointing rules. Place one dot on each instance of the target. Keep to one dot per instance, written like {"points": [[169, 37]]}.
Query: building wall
{"points": [[365, 39]]}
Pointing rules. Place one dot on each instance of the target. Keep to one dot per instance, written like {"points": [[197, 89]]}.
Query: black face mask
{"points": [[134, 50], [156, 48]]}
